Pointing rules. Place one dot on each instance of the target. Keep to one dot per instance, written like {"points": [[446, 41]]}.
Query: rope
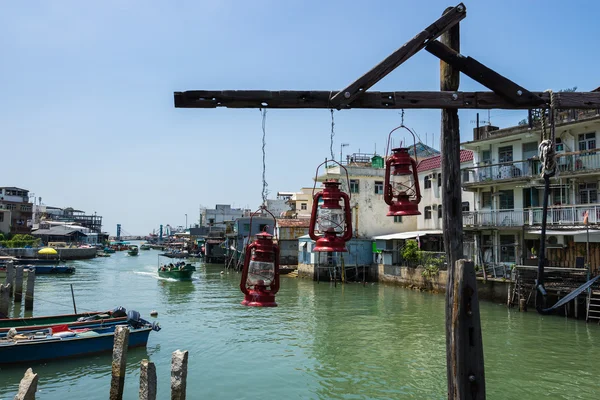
{"points": [[264, 155], [546, 148], [331, 136]]}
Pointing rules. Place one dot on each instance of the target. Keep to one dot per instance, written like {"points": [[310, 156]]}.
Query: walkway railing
{"points": [[557, 215]]}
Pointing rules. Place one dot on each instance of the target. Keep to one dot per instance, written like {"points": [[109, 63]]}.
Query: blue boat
{"points": [[47, 346], [51, 269]]}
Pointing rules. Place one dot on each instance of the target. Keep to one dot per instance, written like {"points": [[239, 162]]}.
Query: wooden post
{"points": [[29, 290], [522, 304], [18, 284], [10, 277], [119, 361], [28, 386], [4, 300], [466, 378], [179, 363], [147, 381]]}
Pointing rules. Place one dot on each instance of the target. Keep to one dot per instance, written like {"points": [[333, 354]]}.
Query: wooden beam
{"points": [[376, 100], [410, 48], [489, 78]]}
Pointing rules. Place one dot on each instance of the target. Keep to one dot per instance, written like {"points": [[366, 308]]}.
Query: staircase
{"points": [[593, 305]]}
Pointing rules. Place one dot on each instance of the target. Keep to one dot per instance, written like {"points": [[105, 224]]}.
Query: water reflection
{"points": [[176, 292]]}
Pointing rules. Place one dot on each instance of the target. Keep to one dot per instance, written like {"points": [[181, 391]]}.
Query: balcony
{"points": [[572, 163], [557, 216]]}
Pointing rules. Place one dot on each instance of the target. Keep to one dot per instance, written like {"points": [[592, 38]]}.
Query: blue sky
{"points": [[87, 91]]}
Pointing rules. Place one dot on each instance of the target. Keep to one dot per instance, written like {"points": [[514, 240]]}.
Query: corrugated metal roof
{"points": [[436, 162], [293, 222]]}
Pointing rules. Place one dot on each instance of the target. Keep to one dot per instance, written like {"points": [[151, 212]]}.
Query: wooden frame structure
{"points": [[464, 356]]}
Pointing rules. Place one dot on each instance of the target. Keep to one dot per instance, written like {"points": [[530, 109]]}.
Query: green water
{"points": [[322, 342]]}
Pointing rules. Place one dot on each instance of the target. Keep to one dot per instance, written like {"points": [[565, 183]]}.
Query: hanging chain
{"points": [[402, 116], [547, 144], [264, 165], [332, 135]]}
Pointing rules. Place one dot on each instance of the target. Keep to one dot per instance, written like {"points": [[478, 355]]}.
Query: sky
{"points": [[86, 101]]}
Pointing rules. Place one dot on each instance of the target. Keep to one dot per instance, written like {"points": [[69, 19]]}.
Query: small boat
{"points": [[62, 342], [133, 250], [109, 250], [98, 323], [102, 254], [48, 320], [179, 271], [145, 246], [44, 269]]}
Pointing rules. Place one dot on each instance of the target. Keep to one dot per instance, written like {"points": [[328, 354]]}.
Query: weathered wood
{"points": [[29, 291], [119, 362], [499, 84], [466, 378], [18, 283], [4, 300], [179, 364], [27, 386], [319, 99], [147, 380], [10, 277], [410, 48]]}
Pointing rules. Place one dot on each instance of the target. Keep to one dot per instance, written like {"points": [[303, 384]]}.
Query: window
{"points": [[505, 154], [246, 228], [465, 206], [262, 227], [428, 212], [439, 180], [486, 199], [427, 182], [507, 199], [440, 211], [465, 175], [588, 193], [11, 207], [587, 141], [486, 156], [354, 185], [378, 187], [507, 248], [303, 206], [398, 219], [2, 217], [211, 221]]}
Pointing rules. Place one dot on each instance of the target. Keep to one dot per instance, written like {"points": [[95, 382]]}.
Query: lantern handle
{"points": [[317, 176], [261, 209], [387, 148]]}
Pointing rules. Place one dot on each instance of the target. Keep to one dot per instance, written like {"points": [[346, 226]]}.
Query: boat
{"points": [[44, 269], [94, 323], [102, 254], [133, 250], [61, 342], [109, 250], [179, 271], [145, 246], [48, 320]]}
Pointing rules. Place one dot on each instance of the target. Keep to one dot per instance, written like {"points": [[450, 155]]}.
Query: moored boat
{"points": [[44, 269], [133, 250], [62, 319], [109, 250], [145, 246], [63, 343], [179, 271]]}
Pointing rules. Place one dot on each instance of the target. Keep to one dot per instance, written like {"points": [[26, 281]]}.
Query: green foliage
{"points": [[2, 237], [19, 241], [411, 252], [433, 266]]}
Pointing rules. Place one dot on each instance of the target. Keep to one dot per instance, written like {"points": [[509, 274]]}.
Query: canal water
{"points": [[322, 342]]}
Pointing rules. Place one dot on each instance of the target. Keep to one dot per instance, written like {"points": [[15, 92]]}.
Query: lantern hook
{"points": [[317, 176]]}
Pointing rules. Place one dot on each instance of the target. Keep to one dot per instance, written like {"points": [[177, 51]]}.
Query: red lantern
{"points": [[330, 223], [260, 276], [402, 192]]}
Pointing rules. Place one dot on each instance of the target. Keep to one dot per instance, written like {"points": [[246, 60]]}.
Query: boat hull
{"points": [[71, 325], [178, 275], [53, 349], [46, 320]]}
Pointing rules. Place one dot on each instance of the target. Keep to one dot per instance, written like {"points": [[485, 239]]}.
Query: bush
{"points": [[411, 252]]}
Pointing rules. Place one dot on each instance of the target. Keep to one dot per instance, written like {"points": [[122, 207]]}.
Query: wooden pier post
{"points": [[29, 290], [4, 300], [27, 386], [147, 380], [18, 283], [522, 304], [179, 363], [466, 377], [10, 277], [119, 361]]}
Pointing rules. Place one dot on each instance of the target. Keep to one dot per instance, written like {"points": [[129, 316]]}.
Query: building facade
{"points": [[16, 200], [508, 191], [221, 215]]}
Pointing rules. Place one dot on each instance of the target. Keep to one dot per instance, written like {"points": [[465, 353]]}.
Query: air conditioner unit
{"points": [[555, 241]]}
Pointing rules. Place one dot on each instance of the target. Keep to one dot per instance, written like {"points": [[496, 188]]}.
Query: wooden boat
{"points": [[58, 344], [44, 269], [98, 323], [109, 250], [179, 271], [133, 250], [145, 246], [118, 312]]}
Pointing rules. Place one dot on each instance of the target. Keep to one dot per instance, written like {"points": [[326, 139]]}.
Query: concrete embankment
{"points": [[63, 254]]}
